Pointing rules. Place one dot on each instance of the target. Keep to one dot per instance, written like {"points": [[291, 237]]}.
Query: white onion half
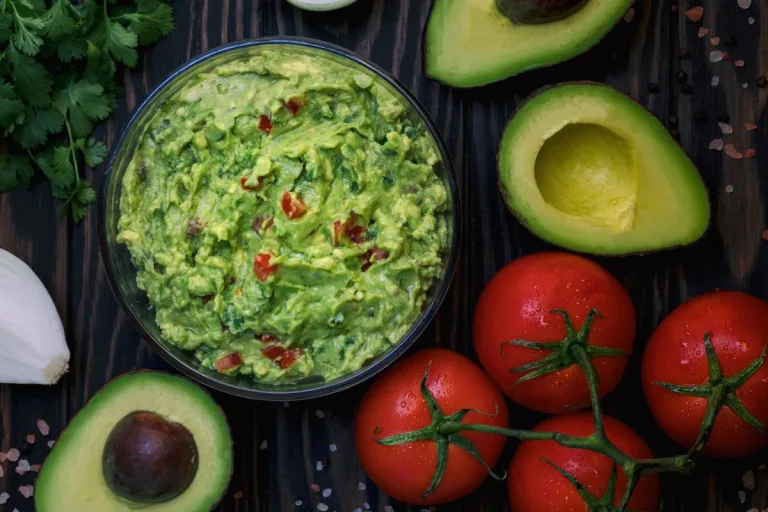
{"points": [[321, 5]]}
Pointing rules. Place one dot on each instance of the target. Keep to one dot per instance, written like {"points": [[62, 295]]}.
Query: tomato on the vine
{"points": [[394, 404], [518, 304], [675, 361], [535, 484]]}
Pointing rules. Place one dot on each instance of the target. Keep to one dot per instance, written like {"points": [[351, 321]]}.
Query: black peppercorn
{"points": [[686, 89], [723, 117], [653, 88], [700, 117], [682, 77], [672, 121]]}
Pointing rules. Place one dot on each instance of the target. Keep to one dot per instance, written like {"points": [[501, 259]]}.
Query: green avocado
{"points": [[147, 441], [587, 168], [470, 42]]}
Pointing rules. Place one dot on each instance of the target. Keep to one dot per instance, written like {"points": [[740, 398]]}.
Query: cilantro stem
{"points": [[73, 157]]}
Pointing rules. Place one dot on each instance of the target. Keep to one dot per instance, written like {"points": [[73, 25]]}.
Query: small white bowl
{"points": [[321, 5]]}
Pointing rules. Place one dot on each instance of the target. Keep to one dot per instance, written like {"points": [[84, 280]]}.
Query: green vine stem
{"points": [[446, 429]]}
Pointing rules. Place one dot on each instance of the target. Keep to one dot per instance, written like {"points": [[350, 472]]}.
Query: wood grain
{"points": [[273, 476]]}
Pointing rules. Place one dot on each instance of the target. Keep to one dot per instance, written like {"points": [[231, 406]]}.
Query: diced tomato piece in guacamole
{"points": [[294, 105], [282, 356], [246, 187], [371, 256], [265, 124], [261, 266], [228, 362], [293, 206]]}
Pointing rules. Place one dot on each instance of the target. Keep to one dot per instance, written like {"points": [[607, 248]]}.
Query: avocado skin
{"points": [[479, 80], [538, 11], [119, 504], [521, 218]]}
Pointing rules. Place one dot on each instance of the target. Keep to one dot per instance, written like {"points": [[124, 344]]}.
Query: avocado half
{"points": [[72, 477], [587, 168], [470, 42]]}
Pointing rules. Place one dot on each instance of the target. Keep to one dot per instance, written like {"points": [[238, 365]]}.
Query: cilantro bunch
{"points": [[58, 60]]}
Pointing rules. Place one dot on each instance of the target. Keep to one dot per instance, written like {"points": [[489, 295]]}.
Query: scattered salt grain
{"points": [[750, 127], [23, 467], [366, 506], [695, 14], [358, 509], [751, 20], [717, 144], [13, 455], [732, 152], [298, 503], [388, 508], [320, 414], [629, 15], [716, 56], [2, 473], [728, 189], [315, 487], [263, 445], [761, 467], [327, 492], [725, 128], [739, 63], [286, 405], [332, 448], [51, 443], [43, 427], [31, 438], [715, 41], [715, 81], [322, 507], [745, 85], [3, 456], [27, 490], [744, 4], [35, 468], [319, 465], [703, 31], [753, 510], [750, 154], [15, 510], [4, 498], [361, 486], [742, 496]]}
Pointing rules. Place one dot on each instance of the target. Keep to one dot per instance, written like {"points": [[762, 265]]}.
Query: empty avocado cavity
{"points": [[587, 168]]}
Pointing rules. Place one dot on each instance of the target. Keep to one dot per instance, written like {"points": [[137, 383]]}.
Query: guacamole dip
{"points": [[285, 217]]}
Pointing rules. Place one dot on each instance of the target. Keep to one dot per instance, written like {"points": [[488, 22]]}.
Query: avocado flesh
{"points": [[471, 43], [71, 478], [587, 168]]}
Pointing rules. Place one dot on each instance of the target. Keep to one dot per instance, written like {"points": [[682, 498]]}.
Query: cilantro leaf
{"points": [[69, 49], [83, 102], [56, 164], [30, 79], [152, 20], [6, 22], [10, 105], [58, 22], [14, 171], [27, 19], [121, 44], [94, 152], [81, 198], [38, 125]]}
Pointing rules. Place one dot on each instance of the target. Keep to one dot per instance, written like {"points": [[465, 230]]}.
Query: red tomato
{"points": [[261, 266], [294, 105], [259, 182], [371, 256], [284, 357], [227, 362], [536, 486], [293, 206], [265, 124], [516, 305], [394, 405], [675, 354]]}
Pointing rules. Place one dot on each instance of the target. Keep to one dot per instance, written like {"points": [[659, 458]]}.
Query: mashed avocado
{"points": [[285, 217]]}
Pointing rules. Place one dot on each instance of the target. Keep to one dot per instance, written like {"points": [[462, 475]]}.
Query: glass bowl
{"points": [[122, 273]]}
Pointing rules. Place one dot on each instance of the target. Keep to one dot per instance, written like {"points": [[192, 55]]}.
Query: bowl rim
{"points": [[345, 381]]}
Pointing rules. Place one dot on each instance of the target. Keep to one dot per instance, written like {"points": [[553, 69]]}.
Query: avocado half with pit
{"points": [[476, 42], [147, 441], [587, 168]]}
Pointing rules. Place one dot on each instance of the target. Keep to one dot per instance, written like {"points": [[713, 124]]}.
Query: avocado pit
{"points": [[530, 12], [148, 459]]}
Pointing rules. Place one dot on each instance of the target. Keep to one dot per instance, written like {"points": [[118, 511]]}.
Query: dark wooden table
{"points": [[277, 447]]}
